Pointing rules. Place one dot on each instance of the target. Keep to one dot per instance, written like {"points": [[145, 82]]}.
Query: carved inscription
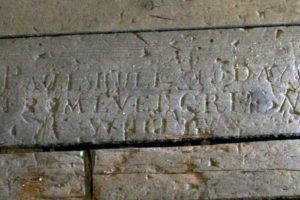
{"points": [[100, 88]]}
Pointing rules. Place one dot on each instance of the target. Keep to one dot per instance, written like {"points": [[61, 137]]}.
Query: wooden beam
{"points": [[227, 171], [64, 16], [52, 175]]}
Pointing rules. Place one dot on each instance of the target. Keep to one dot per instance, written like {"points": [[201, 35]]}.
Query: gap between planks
{"points": [[20, 36], [148, 144]]}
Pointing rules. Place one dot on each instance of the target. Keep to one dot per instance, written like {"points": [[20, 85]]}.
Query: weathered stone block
{"points": [[52, 175], [56, 16], [227, 171], [149, 86]]}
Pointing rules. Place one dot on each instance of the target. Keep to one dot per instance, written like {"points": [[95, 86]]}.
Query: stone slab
{"points": [[225, 171], [52, 175], [62, 16], [149, 86]]}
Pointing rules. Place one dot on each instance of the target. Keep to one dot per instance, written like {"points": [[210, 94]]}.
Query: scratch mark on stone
{"points": [[161, 17], [6, 78], [141, 38], [13, 131]]}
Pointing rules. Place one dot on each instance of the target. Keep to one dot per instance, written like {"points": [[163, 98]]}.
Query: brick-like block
{"points": [[227, 171], [60, 16], [149, 86], [52, 175]]}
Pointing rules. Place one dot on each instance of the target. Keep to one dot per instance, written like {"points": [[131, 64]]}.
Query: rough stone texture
{"points": [[31, 176], [246, 170], [149, 86], [56, 16]]}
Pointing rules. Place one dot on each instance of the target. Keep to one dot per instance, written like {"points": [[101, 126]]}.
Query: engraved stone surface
{"points": [[149, 86], [56, 16], [246, 170], [53, 175]]}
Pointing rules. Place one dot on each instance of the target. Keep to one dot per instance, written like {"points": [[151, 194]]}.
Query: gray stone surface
{"points": [[52, 175], [56, 16], [246, 170], [149, 86]]}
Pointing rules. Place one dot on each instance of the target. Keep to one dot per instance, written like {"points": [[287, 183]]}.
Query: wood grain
{"points": [[226, 171], [52, 175]]}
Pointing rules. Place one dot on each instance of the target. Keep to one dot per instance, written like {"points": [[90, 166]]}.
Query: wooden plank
{"points": [[61, 16], [149, 86], [52, 175], [246, 170]]}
